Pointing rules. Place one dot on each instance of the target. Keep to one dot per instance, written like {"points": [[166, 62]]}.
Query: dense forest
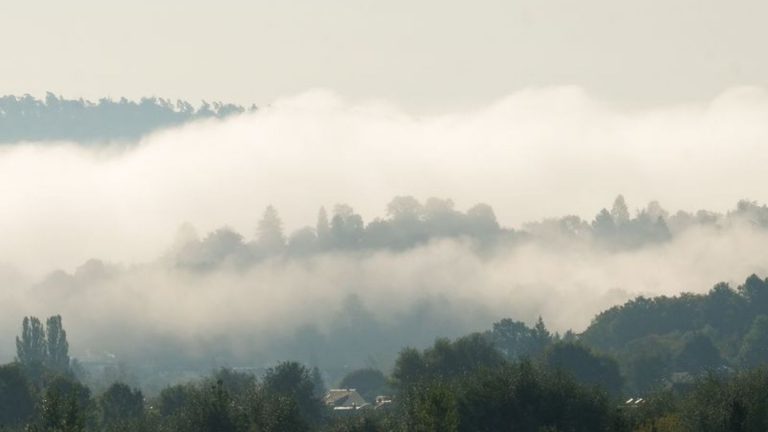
{"points": [[685, 363], [55, 118]]}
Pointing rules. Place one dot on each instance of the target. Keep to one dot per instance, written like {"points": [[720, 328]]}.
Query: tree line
{"points": [[410, 223], [54, 118], [684, 363]]}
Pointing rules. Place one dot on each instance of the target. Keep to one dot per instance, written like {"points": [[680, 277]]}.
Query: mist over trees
{"points": [[411, 223], [236, 294], [55, 118], [510, 377], [360, 315], [43, 348]]}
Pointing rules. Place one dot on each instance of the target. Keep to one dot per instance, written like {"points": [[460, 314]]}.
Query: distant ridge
{"points": [[54, 118]]}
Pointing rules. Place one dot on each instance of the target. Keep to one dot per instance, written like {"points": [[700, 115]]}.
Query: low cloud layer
{"points": [[370, 303], [534, 154]]}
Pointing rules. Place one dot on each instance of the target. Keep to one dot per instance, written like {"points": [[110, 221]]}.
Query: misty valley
{"points": [[401, 323], [547, 261], [383, 216]]}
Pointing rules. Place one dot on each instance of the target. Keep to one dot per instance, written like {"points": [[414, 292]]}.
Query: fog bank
{"points": [[536, 153]]}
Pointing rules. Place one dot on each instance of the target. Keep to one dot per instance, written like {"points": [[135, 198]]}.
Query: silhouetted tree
{"points": [[620, 211], [57, 358], [269, 237], [31, 348]]}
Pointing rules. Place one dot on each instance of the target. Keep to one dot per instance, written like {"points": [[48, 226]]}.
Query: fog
{"points": [[536, 154]]}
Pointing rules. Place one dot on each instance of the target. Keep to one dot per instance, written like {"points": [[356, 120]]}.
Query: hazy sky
{"points": [[426, 54]]}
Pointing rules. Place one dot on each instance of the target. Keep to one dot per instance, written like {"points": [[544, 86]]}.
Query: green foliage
{"points": [[121, 407], [17, 401], [473, 383], [586, 366], [511, 397], [292, 381], [655, 337], [445, 359], [517, 340], [755, 290], [754, 348], [283, 414], [431, 407], [212, 409], [646, 372], [237, 384], [522, 397], [65, 407], [737, 403], [173, 399], [369, 421], [698, 354]]}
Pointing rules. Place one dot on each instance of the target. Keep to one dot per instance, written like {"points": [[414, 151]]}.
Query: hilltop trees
{"points": [[618, 229], [347, 227], [54, 118], [694, 334], [516, 340], [410, 223]]}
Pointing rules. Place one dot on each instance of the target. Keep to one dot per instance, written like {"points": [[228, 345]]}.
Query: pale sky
{"points": [[420, 54]]}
